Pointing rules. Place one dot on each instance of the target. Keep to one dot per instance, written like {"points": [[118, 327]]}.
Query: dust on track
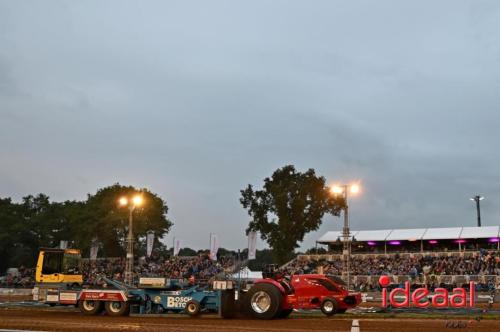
{"points": [[65, 320]]}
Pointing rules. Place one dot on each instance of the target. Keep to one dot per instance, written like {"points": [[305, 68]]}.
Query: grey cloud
{"points": [[196, 100]]}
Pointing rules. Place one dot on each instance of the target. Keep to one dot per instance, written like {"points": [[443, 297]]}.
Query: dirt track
{"points": [[59, 320]]}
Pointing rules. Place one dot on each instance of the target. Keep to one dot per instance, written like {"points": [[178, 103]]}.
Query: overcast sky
{"points": [[196, 99]]}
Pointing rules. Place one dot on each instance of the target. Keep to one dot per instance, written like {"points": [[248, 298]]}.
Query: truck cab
{"points": [[59, 266]]}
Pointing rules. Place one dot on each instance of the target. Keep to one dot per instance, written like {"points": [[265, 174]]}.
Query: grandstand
{"points": [[417, 239], [434, 257]]}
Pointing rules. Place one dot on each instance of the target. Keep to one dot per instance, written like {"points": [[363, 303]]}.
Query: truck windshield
{"points": [[72, 264]]}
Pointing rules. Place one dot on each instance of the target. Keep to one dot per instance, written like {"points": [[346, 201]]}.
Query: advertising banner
{"points": [[177, 246], [94, 247], [252, 244], [150, 236], [214, 246]]}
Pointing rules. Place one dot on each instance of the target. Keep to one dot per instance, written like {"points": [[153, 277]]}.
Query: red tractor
{"points": [[276, 296]]}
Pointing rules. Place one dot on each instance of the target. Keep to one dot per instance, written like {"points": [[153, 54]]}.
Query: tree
{"points": [[36, 222], [108, 222], [10, 233], [290, 205]]}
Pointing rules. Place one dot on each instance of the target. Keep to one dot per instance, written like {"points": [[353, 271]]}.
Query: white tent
{"points": [[248, 274], [415, 234], [447, 233], [380, 235], [410, 234], [332, 236], [479, 232]]}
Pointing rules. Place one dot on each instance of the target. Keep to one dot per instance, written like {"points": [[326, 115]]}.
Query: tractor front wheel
{"points": [[329, 306]]}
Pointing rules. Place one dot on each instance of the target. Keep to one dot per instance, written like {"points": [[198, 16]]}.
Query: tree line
{"points": [[37, 222], [289, 205]]}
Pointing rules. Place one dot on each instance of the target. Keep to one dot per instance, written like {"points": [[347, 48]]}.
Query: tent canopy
{"points": [[410, 234], [332, 236], [413, 234], [479, 232], [380, 235], [447, 233]]}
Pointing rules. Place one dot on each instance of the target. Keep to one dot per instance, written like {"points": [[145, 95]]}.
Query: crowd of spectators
{"points": [[21, 277], [477, 263], [200, 267], [419, 268]]}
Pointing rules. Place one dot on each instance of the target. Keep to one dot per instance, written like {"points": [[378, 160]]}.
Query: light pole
{"points": [[477, 199], [129, 262], [346, 252]]}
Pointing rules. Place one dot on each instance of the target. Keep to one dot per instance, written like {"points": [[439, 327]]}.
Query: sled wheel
{"points": [[192, 308], [117, 308], [90, 307]]}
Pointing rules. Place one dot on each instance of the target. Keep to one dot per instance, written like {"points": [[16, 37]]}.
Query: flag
{"points": [[252, 244], [150, 236], [214, 246], [177, 246], [94, 247]]}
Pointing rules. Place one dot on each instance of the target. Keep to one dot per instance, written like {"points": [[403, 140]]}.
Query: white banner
{"points": [[63, 244], [94, 247], [177, 246], [252, 244], [214, 246], [150, 236]]}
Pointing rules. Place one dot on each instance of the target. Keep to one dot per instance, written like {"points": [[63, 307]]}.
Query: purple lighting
{"points": [[395, 243], [494, 239], [433, 242], [371, 243], [460, 241]]}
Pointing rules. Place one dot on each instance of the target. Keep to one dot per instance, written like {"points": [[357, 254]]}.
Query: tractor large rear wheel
{"points": [[228, 304], [264, 301]]}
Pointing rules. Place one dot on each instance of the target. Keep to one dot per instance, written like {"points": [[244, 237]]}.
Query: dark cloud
{"points": [[196, 100]]}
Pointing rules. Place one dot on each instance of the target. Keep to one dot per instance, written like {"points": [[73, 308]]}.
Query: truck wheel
{"points": [[89, 307], [329, 306], [285, 313], [192, 308], [264, 301], [117, 308], [227, 305]]}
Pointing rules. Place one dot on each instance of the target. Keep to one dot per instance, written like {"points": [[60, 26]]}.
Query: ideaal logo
{"points": [[177, 301], [440, 298]]}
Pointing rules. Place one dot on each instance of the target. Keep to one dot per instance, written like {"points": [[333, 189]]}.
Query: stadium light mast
{"points": [[344, 189], [477, 199], [131, 204]]}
